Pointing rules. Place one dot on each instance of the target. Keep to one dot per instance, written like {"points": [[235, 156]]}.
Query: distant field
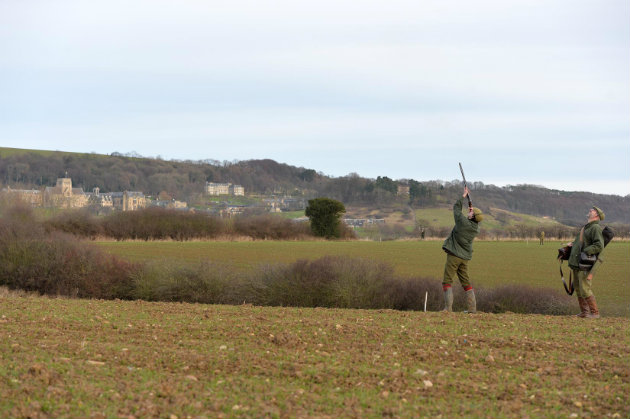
{"points": [[100, 359], [494, 262], [443, 217], [6, 151]]}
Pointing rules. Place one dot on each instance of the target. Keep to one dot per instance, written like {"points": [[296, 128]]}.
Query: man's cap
{"points": [[600, 213], [479, 215]]}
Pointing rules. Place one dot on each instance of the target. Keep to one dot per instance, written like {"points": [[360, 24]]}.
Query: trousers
{"points": [[456, 266]]}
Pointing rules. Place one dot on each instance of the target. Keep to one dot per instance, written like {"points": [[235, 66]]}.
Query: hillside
{"points": [[185, 180]]}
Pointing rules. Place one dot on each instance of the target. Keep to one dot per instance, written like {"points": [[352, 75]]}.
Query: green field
{"points": [[494, 262], [68, 358], [497, 219]]}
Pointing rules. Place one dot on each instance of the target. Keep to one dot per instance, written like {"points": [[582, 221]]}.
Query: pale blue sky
{"points": [[523, 91]]}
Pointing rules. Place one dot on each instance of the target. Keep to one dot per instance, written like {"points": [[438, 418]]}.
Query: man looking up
{"points": [[458, 248], [589, 240]]}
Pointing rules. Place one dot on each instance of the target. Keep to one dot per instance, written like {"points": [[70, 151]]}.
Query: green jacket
{"points": [[589, 241], [459, 242]]}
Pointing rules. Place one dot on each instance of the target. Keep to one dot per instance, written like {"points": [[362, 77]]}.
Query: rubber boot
{"points": [[592, 306], [448, 299], [585, 311], [471, 302]]}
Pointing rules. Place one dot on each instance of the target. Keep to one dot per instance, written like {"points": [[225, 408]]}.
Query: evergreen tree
{"points": [[325, 217]]}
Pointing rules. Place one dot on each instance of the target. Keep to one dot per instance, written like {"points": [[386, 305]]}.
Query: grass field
{"points": [[97, 359], [443, 217], [494, 262]]}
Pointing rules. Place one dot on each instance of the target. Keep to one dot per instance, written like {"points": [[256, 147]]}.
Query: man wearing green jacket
{"points": [[458, 248], [590, 241]]}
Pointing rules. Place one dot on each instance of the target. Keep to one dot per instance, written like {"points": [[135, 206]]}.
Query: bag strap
{"points": [[569, 289]]}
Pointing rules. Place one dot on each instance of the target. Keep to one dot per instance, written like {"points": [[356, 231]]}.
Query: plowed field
{"points": [[96, 359]]}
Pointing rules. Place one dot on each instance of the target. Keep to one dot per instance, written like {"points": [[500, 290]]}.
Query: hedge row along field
{"points": [[495, 263]]}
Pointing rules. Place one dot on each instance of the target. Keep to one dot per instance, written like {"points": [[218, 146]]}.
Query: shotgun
{"points": [[464, 177]]}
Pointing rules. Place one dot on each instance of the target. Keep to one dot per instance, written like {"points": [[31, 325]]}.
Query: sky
{"points": [[520, 91]]}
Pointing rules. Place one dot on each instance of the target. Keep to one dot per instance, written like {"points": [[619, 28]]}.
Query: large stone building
{"points": [[101, 200], [224, 189], [128, 200], [32, 197], [63, 195]]}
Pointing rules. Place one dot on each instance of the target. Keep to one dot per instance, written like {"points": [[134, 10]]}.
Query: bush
{"points": [[270, 227], [77, 222], [59, 264], [160, 224], [208, 283], [523, 299]]}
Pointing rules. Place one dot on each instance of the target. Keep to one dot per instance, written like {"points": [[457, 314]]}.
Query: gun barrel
{"points": [[461, 169]]}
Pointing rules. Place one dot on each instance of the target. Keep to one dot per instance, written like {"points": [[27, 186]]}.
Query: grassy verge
{"points": [[90, 358]]}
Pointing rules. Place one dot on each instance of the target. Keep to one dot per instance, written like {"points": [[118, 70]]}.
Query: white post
{"points": [[426, 295]]}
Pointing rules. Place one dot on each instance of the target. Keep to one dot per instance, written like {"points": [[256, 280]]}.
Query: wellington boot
{"points": [[585, 311], [471, 302], [448, 299], [592, 305]]}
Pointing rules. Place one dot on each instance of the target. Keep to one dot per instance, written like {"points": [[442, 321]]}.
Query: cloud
{"points": [[523, 86]]}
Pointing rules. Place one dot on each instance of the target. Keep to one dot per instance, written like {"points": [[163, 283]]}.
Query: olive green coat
{"points": [[459, 242], [591, 242]]}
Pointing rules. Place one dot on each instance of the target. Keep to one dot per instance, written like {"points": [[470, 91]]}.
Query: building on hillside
{"points": [[362, 222], [128, 200], [237, 190], [32, 197], [99, 199], [231, 211], [63, 195], [285, 204], [170, 204], [224, 189]]}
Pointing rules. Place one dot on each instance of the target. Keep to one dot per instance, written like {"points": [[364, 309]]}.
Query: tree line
{"points": [[185, 180]]}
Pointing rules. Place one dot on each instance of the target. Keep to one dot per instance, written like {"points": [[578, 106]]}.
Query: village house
{"points": [[170, 204]]}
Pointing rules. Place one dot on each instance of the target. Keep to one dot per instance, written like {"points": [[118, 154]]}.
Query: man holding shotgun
{"points": [[458, 248]]}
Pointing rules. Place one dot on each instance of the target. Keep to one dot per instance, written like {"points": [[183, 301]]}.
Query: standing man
{"points": [[458, 248], [590, 241], [542, 237]]}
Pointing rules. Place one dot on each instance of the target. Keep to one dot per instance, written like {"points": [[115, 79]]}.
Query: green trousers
{"points": [[582, 285], [456, 266]]}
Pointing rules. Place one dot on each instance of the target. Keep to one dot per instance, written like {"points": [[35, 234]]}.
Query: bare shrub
{"points": [[410, 293], [78, 222], [524, 299], [270, 227], [205, 282], [361, 283], [160, 224], [334, 281], [59, 264]]}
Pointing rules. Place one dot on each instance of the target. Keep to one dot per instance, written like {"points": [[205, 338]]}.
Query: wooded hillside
{"points": [[184, 180]]}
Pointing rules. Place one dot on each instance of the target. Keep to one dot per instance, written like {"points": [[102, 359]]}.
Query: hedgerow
{"points": [[34, 258]]}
